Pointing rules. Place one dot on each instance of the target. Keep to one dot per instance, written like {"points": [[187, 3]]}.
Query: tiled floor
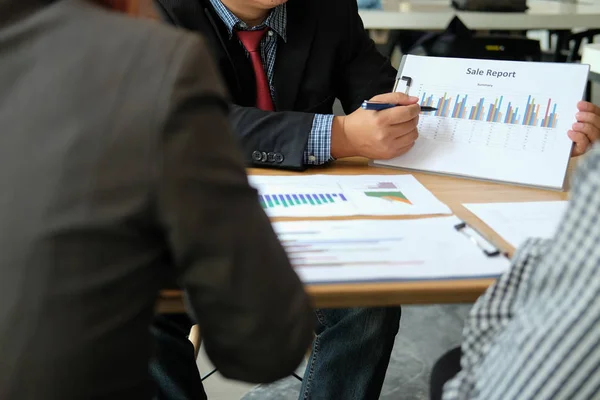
{"points": [[217, 387]]}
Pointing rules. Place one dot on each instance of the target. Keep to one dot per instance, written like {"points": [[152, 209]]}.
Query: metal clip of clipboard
{"points": [[406, 80], [408, 83], [478, 239]]}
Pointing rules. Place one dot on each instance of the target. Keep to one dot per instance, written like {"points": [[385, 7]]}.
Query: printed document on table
{"points": [[502, 121], [384, 250], [516, 222], [344, 195]]}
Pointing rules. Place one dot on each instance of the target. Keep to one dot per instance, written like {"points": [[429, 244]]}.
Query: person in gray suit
{"points": [[119, 175]]}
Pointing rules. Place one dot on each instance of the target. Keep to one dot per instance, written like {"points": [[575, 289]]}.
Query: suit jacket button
{"points": [[256, 156], [271, 157], [263, 157], [278, 158]]}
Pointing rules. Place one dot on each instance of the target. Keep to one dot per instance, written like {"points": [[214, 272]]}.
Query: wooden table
{"points": [[452, 191], [436, 14]]}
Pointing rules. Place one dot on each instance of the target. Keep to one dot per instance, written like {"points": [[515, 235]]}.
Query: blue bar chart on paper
{"points": [[272, 200]]}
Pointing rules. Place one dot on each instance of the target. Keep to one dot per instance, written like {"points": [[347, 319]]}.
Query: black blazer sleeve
{"points": [[365, 71], [243, 292], [275, 139]]}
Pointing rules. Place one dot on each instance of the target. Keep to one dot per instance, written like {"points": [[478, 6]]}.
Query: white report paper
{"points": [[516, 222], [384, 250], [496, 120], [344, 195]]}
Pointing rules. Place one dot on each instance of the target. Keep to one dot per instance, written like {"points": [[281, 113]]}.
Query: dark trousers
{"points": [[174, 353], [444, 370]]}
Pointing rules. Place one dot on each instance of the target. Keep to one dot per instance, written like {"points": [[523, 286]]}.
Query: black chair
{"points": [[488, 48], [459, 41], [566, 44], [509, 48], [576, 40], [403, 40], [445, 369]]}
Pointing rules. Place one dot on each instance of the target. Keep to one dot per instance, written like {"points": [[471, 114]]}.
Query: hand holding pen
{"points": [[381, 135]]}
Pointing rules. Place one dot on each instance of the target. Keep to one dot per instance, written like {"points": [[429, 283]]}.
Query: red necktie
{"points": [[251, 41]]}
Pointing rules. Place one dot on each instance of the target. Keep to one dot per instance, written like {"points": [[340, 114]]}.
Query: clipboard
{"points": [[479, 240], [548, 171]]}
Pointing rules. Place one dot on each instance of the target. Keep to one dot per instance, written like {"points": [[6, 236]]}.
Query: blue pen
{"points": [[375, 106]]}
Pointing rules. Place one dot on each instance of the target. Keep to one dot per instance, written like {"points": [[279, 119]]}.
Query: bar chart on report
{"points": [[491, 110], [334, 195], [286, 200], [525, 122]]}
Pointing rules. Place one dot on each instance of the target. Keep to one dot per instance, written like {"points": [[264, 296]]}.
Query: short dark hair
{"points": [[117, 5]]}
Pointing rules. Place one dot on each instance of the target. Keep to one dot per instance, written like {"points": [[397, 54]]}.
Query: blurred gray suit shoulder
{"points": [[120, 174]]}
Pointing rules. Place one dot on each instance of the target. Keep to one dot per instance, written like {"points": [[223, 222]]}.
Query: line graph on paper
{"points": [[524, 122]]}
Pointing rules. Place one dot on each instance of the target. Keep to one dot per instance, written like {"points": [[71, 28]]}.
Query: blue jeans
{"points": [[349, 358]]}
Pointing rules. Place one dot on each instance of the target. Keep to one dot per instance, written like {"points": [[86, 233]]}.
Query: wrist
{"points": [[340, 147]]}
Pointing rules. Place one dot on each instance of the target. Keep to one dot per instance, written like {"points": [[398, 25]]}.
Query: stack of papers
{"points": [[378, 250]]}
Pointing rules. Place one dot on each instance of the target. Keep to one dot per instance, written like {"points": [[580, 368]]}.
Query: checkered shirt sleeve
{"points": [[318, 148], [535, 334]]}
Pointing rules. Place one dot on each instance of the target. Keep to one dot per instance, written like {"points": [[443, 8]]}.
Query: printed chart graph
{"points": [[516, 122], [386, 191], [395, 195], [381, 190], [334, 195], [304, 250], [529, 114], [324, 246], [337, 251]]}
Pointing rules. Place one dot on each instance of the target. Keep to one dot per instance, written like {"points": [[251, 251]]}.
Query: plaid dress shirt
{"points": [[318, 149], [535, 334]]}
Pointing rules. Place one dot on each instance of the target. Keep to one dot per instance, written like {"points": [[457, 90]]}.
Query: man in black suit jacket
{"points": [[311, 52], [322, 53]]}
